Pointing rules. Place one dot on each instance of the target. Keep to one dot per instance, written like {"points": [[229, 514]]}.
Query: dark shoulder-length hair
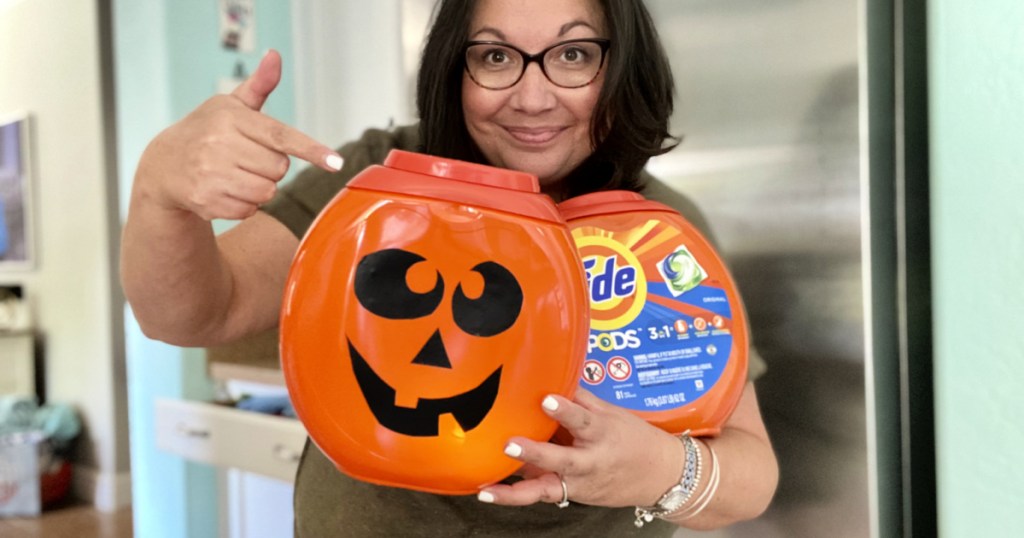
{"points": [[630, 120]]}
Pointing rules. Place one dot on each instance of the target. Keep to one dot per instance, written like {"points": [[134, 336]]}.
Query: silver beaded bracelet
{"points": [[702, 500], [678, 495]]}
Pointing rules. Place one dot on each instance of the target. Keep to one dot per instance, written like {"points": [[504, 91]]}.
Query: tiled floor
{"points": [[72, 521]]}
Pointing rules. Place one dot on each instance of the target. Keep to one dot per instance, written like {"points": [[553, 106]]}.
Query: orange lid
{"points": [[462, 171], [474, 184], [607, 203]]}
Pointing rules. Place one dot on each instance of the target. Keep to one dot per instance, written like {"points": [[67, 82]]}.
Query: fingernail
{"points": [[485, 497], [550, 404], [334, 162], [513, 450]]}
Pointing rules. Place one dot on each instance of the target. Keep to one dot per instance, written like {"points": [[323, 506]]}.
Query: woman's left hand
{"points": [[616, 458]]}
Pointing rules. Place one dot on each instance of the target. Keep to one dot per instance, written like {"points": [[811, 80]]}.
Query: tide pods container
{"points": [[428, 311], [668, 336]]}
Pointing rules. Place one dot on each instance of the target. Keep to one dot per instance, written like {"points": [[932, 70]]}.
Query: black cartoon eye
{"points": [[496, 309], [382, 288]]}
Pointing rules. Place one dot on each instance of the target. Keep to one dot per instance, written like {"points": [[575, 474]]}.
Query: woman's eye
{"points": [[496, 57], [574, 55]]}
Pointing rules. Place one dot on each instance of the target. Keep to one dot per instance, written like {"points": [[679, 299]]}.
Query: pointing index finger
{"points": [[283, 138]]}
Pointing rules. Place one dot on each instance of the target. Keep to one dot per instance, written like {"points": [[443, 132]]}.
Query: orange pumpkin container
{"points": [[428, 311], [668, 336]]}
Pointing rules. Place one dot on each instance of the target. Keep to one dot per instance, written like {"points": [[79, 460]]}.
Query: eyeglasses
{"points": [[496, 65]]}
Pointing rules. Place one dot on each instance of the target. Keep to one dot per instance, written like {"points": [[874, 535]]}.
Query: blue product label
{"points": [[660, 325]]}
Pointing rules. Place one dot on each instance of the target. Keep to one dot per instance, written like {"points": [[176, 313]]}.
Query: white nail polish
{"points": [[550, 404], [334, 162], [513, 450], [485, 497]]}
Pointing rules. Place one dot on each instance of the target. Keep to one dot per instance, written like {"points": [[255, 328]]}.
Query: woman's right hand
{"points": [[226, 157]]}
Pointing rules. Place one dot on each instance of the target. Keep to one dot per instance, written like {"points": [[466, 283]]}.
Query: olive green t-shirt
{"points": [[329, 503]]}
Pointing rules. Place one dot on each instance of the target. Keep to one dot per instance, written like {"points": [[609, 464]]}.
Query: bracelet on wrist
{"points": [[678, 495], [704, 499]]}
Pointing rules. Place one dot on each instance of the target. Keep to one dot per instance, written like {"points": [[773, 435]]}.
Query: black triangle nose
{"points": [[433, 353]]}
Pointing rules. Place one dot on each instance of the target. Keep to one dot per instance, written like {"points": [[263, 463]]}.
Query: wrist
{"points": [[152, 187], [695, 490], [678, 495], [663, 471]]}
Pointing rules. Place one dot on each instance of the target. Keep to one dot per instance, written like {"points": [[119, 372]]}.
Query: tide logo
{"points": [[618, 290], [609, 282]]}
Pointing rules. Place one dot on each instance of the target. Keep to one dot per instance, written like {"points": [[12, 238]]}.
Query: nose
{"points": [[534, 93]]}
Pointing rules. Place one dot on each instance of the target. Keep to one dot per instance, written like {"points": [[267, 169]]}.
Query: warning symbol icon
{"points": [[593, 372]]}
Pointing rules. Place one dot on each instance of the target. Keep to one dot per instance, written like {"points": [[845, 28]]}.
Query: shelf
{"points": [[252, 359]]}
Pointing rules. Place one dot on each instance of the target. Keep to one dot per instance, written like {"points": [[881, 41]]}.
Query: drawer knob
{"points": [[195, 433], [284, 453]]}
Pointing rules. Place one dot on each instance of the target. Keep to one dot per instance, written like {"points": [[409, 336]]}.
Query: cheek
{"points": [[480, 106], [477, 106], [583, 107]]}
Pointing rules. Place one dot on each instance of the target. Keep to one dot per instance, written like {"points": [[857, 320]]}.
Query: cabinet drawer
{"points": [[228, 437]]}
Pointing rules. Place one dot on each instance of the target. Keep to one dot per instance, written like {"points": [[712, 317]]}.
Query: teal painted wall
{"points": [[196, 60], [168, 60], [976, 63]]}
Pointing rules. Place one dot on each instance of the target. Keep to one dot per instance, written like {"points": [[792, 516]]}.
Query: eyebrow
{"points": [[561, 31]]}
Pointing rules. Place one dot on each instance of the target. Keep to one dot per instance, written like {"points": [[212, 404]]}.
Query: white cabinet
{"points": [[227, 437], [256, 454]]}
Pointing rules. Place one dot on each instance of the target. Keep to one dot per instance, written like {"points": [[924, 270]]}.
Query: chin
{"points": [[547, 172]]}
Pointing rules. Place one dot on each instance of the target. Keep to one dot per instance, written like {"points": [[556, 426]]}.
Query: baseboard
{"points": [[108, 492]]}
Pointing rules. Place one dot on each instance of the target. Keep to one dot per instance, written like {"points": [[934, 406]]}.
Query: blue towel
{"points": [[17, 412], [270, 405], [58, 423]]}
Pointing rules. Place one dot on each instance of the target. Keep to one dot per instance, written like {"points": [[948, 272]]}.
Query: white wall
{"points": [[50, 67], [332, 63]]}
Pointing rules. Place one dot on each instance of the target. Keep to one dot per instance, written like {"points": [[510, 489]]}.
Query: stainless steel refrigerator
{"points": [[797, 120]]}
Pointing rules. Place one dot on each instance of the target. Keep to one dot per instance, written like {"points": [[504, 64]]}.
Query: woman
{"points": [[577, 92]]}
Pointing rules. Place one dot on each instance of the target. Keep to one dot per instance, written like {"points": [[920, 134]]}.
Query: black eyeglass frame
{"points": [[528, 59]]}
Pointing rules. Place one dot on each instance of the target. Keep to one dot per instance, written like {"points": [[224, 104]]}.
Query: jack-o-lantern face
{"points": [[418, 336], [382, 288]]}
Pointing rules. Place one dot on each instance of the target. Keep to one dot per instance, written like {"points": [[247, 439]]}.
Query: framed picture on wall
{"points": [[15, 193], [238, 25]]}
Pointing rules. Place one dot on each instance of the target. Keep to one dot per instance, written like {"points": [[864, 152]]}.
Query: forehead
{"points": [[535, 23]]}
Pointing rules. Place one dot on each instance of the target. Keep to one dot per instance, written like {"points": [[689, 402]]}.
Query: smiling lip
{"points": [[540, 135]]}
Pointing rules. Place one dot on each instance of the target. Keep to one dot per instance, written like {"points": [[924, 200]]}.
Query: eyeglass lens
{"points": [[498, 66]]}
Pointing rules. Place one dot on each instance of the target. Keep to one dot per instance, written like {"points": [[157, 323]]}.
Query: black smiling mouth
{"points": [[468, 408]]}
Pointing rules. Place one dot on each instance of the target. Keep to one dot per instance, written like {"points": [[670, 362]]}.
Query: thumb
{"points": [[255, 90]]}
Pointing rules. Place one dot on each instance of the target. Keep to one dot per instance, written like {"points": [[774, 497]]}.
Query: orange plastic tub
{"points": [[668, 335], [428, 311]]}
